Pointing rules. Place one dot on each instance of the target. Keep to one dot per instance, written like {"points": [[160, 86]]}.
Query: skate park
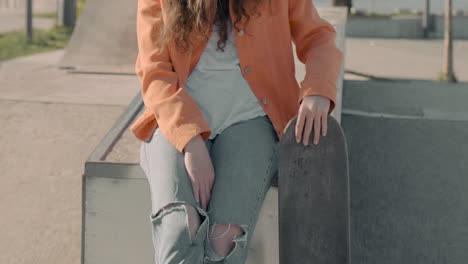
{"points": [[406, 139]]}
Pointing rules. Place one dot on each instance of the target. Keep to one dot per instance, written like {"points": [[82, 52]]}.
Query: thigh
{"points": [[165, 171], [244, 156]]}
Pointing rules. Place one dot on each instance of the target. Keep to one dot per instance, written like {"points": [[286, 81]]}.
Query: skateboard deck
{"points": [[314, 198]]}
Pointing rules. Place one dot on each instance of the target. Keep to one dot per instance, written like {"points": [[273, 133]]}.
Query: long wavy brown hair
{"points": [[187, 17]]}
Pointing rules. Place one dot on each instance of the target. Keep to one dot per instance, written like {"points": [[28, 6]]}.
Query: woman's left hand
{"points": [[313, 112]]}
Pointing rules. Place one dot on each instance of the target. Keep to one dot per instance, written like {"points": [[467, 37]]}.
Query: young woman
{"points": [[219, 87]]}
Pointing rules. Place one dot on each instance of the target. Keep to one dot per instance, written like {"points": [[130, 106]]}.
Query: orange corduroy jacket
{"points": [[266, 61]]}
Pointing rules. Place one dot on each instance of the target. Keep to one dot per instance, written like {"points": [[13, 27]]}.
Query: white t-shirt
{"points": [[218, 87]]}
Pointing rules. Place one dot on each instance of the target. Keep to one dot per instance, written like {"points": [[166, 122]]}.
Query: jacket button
{"points": [[264, 101], [241, 32], [247, 69]]}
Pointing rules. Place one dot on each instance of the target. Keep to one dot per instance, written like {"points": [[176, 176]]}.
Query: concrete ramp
{"points": [[104, 39]]}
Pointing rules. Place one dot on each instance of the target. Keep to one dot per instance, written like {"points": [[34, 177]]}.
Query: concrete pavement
{"points": [[51, 121], [17, 21], [13, 14], [404, 58]]}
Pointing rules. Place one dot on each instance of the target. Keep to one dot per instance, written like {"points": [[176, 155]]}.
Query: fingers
{"points": [[196, 192], [313, 114], [324, 123], [201, 174], [307, 130], [308, 120], [300, 124], [203, 196], [202, 193], [317, 120], [208, 195], [208, 191], [312, 121]]}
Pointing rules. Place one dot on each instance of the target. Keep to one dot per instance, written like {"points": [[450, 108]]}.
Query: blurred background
{"points": [[388, 7], [72, 190]]}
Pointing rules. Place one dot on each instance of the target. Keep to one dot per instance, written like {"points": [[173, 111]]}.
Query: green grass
{"points": [[442, 77], [15, 44], [79, 7]]}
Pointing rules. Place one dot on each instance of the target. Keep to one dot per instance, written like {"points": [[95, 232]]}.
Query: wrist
{"points": [[193, 143]]}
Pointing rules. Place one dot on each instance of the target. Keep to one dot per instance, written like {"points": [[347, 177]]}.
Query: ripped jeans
{"points": [[244, 158]]}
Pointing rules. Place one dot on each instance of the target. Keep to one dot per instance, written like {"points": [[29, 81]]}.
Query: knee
{"points": [[175, 235], [221, 237], [187, 218], [193, 220]]}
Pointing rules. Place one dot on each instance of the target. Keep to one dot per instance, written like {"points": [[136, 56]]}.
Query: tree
{"points": [[448, 73], [347, 3]]}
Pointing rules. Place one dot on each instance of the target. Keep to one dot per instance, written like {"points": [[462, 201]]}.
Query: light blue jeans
{"points": [[244, 158]]}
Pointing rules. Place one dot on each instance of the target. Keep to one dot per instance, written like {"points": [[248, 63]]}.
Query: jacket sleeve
{"points": [[314, 39], [176, 113]]}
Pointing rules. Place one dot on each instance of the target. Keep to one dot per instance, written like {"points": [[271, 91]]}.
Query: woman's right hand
{"points": [[200, 169]]}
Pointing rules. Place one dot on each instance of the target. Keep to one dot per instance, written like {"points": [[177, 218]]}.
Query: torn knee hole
{"points": [[225, 237], [221, 230], [193, 217], [166, 208]]}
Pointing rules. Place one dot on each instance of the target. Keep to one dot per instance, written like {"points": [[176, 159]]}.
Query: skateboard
{"points": [[314, 198]]}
